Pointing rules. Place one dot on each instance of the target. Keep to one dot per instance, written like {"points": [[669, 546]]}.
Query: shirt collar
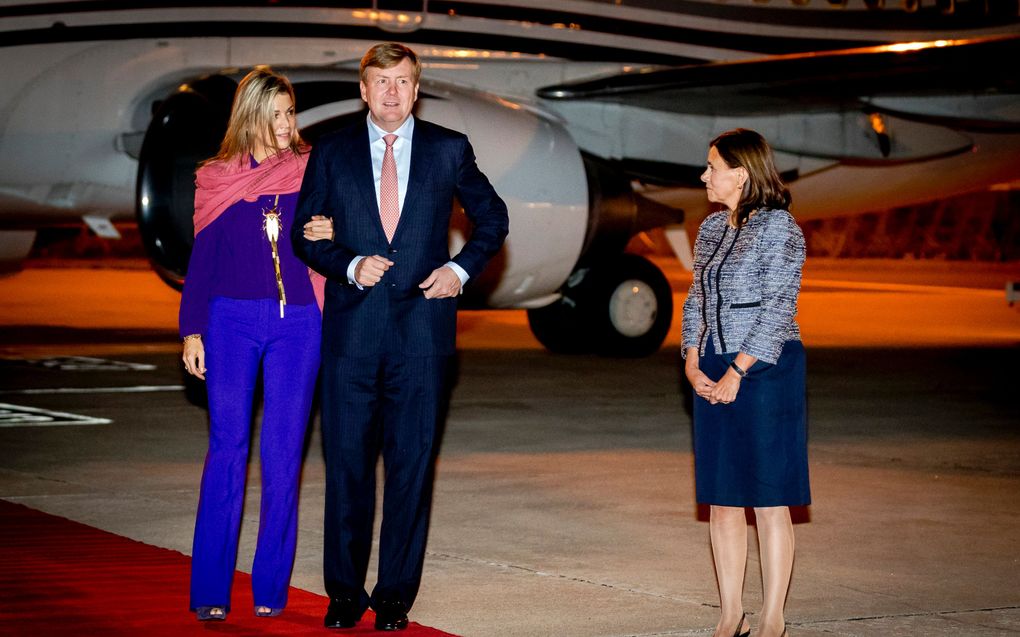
{"points": [[404, 132]]}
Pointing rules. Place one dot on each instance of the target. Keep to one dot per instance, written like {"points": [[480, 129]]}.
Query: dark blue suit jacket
{"points": [[338, 183]]}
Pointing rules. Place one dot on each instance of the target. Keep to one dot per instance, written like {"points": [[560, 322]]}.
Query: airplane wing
{"points": [[818, 81], [882, 105]]}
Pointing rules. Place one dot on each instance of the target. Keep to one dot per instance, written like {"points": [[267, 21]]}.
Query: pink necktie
{"points": [[389, 194]]}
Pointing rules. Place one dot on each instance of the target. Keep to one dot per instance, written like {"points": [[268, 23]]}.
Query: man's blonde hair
{"points": [[387, 55]]}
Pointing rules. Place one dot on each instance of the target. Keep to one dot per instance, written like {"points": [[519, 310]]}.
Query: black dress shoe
{"points": [[390, 616], [343, 612]]}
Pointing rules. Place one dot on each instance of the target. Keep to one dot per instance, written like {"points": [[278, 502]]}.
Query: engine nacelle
{"points": [[186, 128]]}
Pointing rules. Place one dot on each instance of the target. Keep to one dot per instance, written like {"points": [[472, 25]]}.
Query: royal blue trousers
{"points": [[243, 337]]}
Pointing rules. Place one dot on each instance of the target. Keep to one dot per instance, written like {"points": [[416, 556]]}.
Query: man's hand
{"points": [[370, 270], [443, 283], [319, 228]]}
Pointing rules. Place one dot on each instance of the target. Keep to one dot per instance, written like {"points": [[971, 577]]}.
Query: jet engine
{"points": [[570, 215]]}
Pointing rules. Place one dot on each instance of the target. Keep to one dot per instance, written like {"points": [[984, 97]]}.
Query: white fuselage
{"points": [[80, 88]]}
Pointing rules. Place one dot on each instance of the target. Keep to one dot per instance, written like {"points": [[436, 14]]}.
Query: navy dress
{"points": [[753, 451]]}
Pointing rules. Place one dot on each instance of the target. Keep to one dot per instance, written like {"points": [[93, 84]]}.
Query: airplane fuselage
{"points": [[88, 82]]}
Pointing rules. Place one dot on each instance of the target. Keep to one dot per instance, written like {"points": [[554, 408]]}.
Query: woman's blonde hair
{"points": [[764, 188], [251, 117]]}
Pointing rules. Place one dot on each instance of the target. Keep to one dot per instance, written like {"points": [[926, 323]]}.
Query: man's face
{"points": [[390, 94]]}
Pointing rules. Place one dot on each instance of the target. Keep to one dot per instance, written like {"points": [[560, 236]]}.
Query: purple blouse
{"points": [[233, 258]]}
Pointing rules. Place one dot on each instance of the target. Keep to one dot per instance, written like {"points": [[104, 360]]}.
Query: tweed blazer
{"points": [[745, 287]]}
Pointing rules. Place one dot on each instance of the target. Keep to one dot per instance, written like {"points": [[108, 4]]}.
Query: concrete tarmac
{"points": [[564, 497]]}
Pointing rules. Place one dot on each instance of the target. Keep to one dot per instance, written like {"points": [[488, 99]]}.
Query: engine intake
{"points": [[186, 129]]}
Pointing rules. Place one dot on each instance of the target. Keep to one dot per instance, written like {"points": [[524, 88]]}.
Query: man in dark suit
{"points": [[389, 324]]}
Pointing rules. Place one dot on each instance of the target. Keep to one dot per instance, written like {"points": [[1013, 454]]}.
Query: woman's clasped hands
{"points": [[701, 383], [725, 389], [722, 391]]}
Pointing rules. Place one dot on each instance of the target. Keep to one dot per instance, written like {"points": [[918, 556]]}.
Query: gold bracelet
{"points": [[192, 337]]}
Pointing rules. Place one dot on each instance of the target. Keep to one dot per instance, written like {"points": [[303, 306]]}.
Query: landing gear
{"points": [[621, 307]]}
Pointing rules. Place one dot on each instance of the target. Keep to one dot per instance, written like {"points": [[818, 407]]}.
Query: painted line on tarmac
{"points": [[89, 364], [137, 389], [21, 416]]}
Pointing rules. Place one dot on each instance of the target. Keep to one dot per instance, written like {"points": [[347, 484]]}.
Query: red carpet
{"points": [[59, 577]]}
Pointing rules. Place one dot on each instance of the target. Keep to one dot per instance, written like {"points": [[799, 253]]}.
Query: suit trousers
{"points": [[392, 404], [242, 336]]}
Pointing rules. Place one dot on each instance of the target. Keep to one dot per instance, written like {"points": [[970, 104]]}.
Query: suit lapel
{"points": [[421, 161], [362, 177]]}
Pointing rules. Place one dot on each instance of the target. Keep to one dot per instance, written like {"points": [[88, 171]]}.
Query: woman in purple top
{"points": [[247, 304]]}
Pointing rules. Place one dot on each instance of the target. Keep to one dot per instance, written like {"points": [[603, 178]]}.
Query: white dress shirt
{"points": [[401, 153]]}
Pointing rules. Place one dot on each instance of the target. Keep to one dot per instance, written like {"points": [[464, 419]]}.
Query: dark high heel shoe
{"points": [[740, 624], [211, 613]]}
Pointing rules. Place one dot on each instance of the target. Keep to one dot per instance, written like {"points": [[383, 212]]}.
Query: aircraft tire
{"points": [[560, 327], [620, 308], [630, 307]]}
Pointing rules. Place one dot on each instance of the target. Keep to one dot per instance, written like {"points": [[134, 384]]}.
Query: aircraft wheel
{"points": [[621, 308], [560, 327], [631, 307]]}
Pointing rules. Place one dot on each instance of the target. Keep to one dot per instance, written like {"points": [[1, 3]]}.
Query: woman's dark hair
{"points": [[747, 149]]}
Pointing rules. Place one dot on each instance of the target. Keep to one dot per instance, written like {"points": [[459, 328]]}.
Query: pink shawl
{"points": [[220, 184]]}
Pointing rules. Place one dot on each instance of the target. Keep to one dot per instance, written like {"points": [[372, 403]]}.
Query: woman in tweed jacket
{"points": [[745, 363]]}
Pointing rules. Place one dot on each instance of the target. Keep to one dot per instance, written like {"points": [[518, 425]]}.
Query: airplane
{"points": [[591, 118]]}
